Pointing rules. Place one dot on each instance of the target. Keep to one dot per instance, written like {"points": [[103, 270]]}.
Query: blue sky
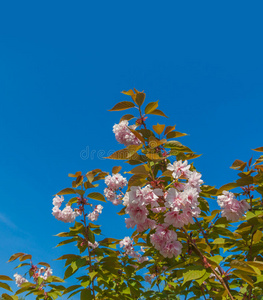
{"points": [[63, 65]]}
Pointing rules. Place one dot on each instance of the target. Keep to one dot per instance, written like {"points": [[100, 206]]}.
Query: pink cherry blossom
{"points": [[179, 168], [66, 215], [93, 245], [123, 134], [194, 180], [95, 214], [48, 272], [115, 181], [19, 279], [175, 200], [127, 245], [138, 213], [112, 196], [232, 209], [165, 241], [58, 200]]}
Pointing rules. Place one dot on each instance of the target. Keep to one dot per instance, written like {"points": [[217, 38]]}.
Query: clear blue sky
{"points": [[63, 65]]}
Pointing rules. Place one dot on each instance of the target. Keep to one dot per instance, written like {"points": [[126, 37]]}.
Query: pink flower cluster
{"points": [[182, 206], [165, 241], [137, 201], [182, 200], [19, 279], [114, 183], [127, 245], [179, 206], [66, 215], [123, 134], [95, 214], [37, 273], [47, 272], [232, 209], [182, 170]]}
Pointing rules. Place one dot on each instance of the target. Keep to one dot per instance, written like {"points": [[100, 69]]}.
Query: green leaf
{"points": [[154, 142], [126, 153], [257, 236], [116, 169], [77, 264], [150, 107], [122, 212], [238, 165], [201, 280], [15, 256], [138, 135], [245, 181], [4, 277], [128, 93], [74, 239], [137, 180], [8, 297], [66, 191], [216, 259], [73, 200], [158, 112], [244, 276], [139, 98], [44, 264], [227, 187], [71, 288], [159, 128], [127, 117], [85, 294], [96, 196], [257, 264], [175, 145], [169, 129], [68, 256], [193, 272], [175, 134], [154, 156], [260, 149], [241, 265], [122, 106], [5, 286], [142, 169], [219, 241], [75, 175]]}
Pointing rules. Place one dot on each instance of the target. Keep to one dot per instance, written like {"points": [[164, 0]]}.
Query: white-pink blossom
{"points": [[141, 196], [194, 180], [93, 245], [179, 168], [127, 245], [138, 213], [95, 214], [67, 215], [232, 209], [58, 200], [115, 182], [123, 134], [47, 272], [165, 241], [175, 200], [19, 279], [112, 196], [183, 206]]}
